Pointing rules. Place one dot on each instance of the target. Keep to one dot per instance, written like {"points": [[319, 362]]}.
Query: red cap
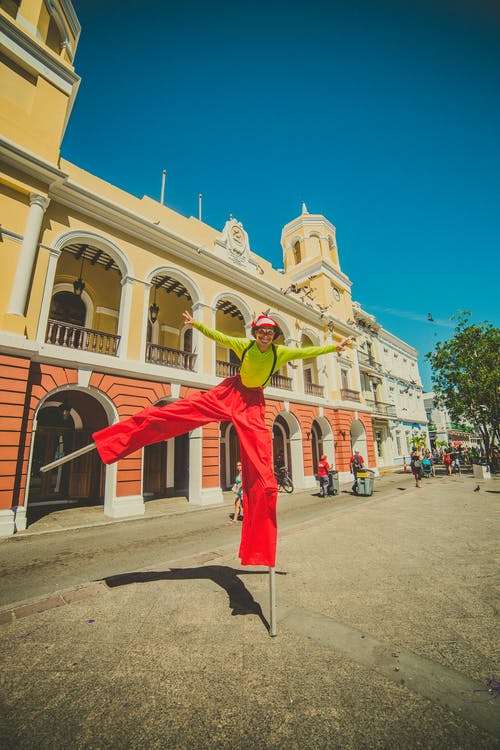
{"points": [[264, 321]]}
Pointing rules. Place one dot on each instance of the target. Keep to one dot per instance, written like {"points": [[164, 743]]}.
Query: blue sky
{"points": [[382, 115]]}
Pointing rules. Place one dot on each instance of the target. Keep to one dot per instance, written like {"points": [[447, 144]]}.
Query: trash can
{"points": [[364, 482], [333, 482]]}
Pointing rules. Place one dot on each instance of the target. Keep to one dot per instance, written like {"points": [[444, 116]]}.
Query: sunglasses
{"points": [[265, 331]]}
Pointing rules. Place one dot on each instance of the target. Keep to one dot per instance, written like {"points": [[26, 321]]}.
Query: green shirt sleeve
{"points": [[236, 343], [287, 354]]}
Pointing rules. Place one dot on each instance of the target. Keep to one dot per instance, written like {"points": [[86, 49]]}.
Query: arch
{"points": [[312, 335], [287, 436], [84, 237], [59, 397], [358, 438], [325, 438], [238, 302], [297, 251], [191, 286]]}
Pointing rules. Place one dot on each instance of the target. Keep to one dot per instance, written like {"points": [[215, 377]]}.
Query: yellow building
{"points": [[94, 282]]}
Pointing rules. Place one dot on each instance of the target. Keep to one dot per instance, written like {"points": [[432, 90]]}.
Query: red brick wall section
{"points": [[14, 374], [22, 386]]}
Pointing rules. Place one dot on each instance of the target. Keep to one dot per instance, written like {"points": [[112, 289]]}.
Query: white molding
{"points": [[108, 311]]}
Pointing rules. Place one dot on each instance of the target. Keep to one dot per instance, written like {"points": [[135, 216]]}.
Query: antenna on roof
{"points": [[200, 199], [163, 178]]}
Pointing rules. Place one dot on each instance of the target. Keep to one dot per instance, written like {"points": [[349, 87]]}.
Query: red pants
{"points": [[245, 408]]}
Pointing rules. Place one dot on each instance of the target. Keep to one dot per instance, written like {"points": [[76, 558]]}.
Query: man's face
{"points": [[264, 338]]}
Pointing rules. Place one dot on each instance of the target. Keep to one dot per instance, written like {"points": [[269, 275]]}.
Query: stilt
{"points": [[69, 457], [272, 602]]}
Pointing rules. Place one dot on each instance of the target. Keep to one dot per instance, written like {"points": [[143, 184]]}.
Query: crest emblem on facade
{"points": [[234, 241]]}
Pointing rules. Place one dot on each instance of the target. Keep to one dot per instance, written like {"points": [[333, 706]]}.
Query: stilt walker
{"points": [[239, 399]]}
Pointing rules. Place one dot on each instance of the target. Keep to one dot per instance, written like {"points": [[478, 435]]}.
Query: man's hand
{"points": [[343, 344], [188, 319]]}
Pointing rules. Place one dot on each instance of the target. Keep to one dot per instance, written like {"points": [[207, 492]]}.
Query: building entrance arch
{"points": [[358, 439], [65, 421]]}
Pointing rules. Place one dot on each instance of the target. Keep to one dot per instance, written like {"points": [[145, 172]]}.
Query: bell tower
{"points": [[38, 84], [311, 263]]}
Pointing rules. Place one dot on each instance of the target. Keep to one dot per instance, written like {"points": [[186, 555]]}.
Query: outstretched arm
{"points": [[238, 345]]}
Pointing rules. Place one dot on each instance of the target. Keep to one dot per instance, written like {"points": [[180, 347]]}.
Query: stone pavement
{"points": [[387, 636]]}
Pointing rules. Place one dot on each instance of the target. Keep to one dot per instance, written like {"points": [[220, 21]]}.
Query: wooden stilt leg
{"points": [[272, 602], [69, 457]]}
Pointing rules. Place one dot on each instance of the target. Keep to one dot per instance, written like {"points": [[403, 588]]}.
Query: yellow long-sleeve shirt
{"points": [[256, 367]]}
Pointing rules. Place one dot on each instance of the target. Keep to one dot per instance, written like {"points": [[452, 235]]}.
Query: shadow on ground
{"points": [[241, 602]]}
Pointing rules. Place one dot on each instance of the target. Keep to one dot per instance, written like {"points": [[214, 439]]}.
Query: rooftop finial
{"points": [[304, 208]]}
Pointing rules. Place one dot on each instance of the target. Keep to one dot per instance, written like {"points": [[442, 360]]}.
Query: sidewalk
{"points": [[387, 627]]}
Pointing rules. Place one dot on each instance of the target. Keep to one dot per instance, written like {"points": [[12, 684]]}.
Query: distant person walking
{"points": [[417, 468], [238, 491], [323, 469], [356, 465]]}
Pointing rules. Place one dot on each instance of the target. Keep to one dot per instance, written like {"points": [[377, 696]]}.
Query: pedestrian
{"points": [[239, 399], [455, 464], [323, 469], [237, 488], [416, 467], [356, 464], [447, 462]]}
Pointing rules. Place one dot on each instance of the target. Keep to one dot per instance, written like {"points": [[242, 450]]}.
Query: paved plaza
{"points": [[387, 634]]}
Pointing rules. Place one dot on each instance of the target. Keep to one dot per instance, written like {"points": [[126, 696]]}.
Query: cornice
{"points": [[305, 220], [30, 163], [317, 268]]}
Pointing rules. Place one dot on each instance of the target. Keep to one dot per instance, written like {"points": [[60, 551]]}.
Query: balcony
{"points": [[163, 355], [281, 381], [314, 390], [347, 394], [386, 410], [83, 339], [365, 360], [226, 369]]}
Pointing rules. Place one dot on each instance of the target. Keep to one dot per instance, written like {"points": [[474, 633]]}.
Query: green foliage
{"points": [[466, 376], [418, 441]]}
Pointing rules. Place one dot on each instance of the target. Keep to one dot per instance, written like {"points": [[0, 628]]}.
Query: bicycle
{"points": [[283, 479]]}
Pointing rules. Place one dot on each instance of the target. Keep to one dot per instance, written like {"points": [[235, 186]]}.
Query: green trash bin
{"points": [[364, 482], [333, 482]]}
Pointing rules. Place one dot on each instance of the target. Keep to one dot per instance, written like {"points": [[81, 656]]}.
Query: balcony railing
{"points": [[348, 395], [163, 355], [281, 381], [314, 390], [388, 410], [366, 360], [226, 369], [84, 339]]}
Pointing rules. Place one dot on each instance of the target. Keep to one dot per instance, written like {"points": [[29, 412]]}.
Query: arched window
{"points": [[297, 255]]}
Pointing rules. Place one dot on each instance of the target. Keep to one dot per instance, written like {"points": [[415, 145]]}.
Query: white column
{"points": [[145, 318], [125, 312], [24, 270], [199, 495], [47, 294]]}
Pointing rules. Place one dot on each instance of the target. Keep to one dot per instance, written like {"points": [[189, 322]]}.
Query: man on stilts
{"points": [[239, 399]]}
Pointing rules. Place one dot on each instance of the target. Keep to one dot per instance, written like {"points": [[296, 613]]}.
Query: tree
{"points": [[466, 377], [418, 442]]}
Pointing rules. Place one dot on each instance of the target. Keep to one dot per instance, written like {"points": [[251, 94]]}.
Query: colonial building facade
{"points": [[93, 288]]}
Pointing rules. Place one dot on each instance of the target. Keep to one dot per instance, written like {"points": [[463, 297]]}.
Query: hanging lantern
{"points": [[154, 310]]}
